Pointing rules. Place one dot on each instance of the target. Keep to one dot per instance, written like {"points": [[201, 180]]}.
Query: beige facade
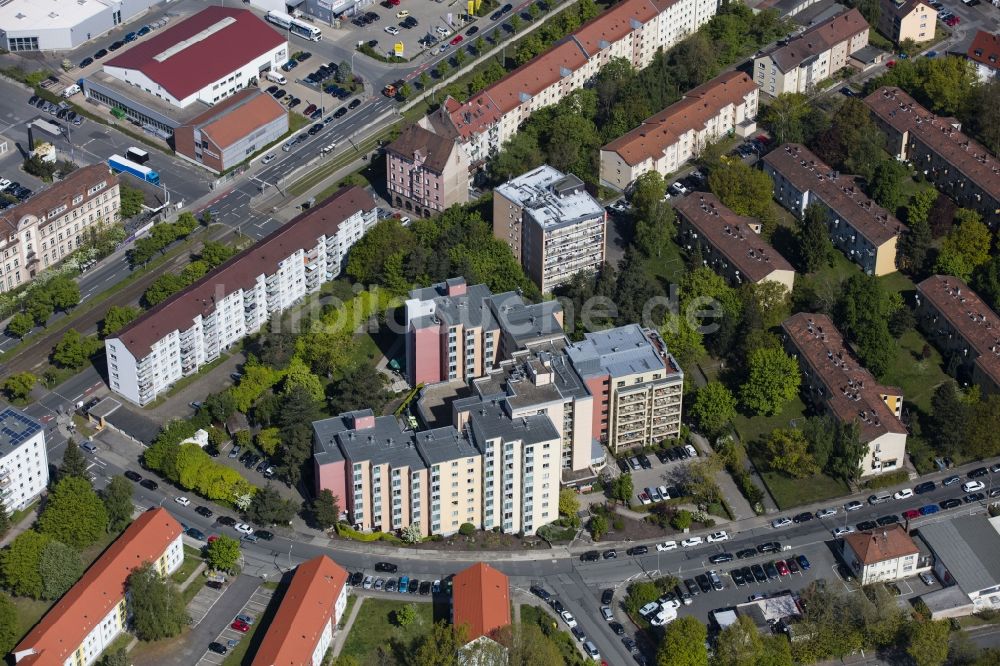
{"points": [[900, 20], [882, 555], [54, 223], [456, 491]]}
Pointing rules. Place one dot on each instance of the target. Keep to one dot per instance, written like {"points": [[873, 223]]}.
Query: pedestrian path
{"points": [[341, 636]]}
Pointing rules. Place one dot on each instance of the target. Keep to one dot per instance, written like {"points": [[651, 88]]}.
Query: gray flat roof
{"points": [[969, 547], [443, 444], [470, 309], [134, 425], [490, 421], [104, 408], [551, 198], [618, 352], [16, 428], [526, 324]]}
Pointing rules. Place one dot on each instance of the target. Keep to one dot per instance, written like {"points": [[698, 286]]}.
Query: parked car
{"points": [[217, 648], [243, 528], [203, 511], [781, 522], [183, 501], [718, 536], [666, 545], [973, 486], [568, 619], [149, 484], [263, 534], [241, 626], [853, 505], [386, 567], [905, 493], [692, 541], [132, 476]]}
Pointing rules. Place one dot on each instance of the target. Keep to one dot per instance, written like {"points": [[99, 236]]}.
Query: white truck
{"points": [[70, 91]]}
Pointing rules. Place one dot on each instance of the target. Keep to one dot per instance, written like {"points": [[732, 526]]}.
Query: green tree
{"points": [[983, 429], [117, 658], [683, 340], [4, 521], [215, 253], [569, 505], [117, 497], [18, 386], [714, 407], [38, 305], [886, 186], [682, 520], [344, 72], [163, 288], [73, 464], [515, 23], [158, 609], [64, 292], [326, 509], [966, 247], [74, 514], [74, 350], [358, 388], [117, 317], [270, 508], [951, 416], [773, 379], [20, 324], [788, 452], [747, 191], [439, 646], [59, 567], [533, 11], [424, 80], [739, 644], [480, 45], [223, 554], [10, 626], [853, 143], [927, 642], [131, 201], [914, 245], [683, 643], [268, 440], [623, 487], [442, 68], [815, 247], [792, 118], [405, 615], [598, 526], [19, 564], [405, 91], [298, 375], [865, 309]]}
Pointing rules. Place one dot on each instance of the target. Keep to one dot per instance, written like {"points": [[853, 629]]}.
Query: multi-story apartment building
{"points": [[730, 243], [196, 325], [456, 331], [632, 29], [636, 385], [51, 225], [95, 611], [799, 63], [864, 231], [957, 165], [665, 141], [835, 381], [24, 461], [900, 20], [957, 320], [302, 630], [426, 172], [882, 555], [552, 225], [984, 52]]}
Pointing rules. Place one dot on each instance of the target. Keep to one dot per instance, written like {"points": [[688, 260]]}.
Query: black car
{"points": [[305, 55], [294, 103], [578, 633], [662, 457], [225, 520], [974, 497], [279, 94], [117, 45], [315, 115], [506, 8], [759, 574], [33, 100], [540, 592], [425, 588], [891, 519], [803, 517], [607, 596], [149, 484], [495, 16], [214, 584], [769, 547], [629, 643], [692, 587], [771, 569], [272, 89], [218, 648], [644, 461], [86, 61], [866, 525], [979, 472], [703, 583], [610, 554], [414, 586], [950, 503], [590, 556], [203, 511], [357, 578], [386, 567], [195, 533], [341, 112], [557, 605], [719, 558], [638, 550], [263, 534], [100, 54], [263, 464], [924, 487], [745, 553], [315, 129], [471, 31], [133, 476], [355, 103], [617, 628], [623, 465]]}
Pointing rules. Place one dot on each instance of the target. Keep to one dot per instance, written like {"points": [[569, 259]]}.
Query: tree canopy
{"points": [[158, 609], [773, 379], [74, 514]]}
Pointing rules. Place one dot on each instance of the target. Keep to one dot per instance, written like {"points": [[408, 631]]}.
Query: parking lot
{"points": [[230, 637], [418, 26], [666, 469]]}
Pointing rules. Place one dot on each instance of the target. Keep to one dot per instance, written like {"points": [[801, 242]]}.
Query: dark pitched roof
{"points": [[61, 193], [238, 116], [985, 49], [202, 62], [241, 271], [817, 39], [432, 148]]}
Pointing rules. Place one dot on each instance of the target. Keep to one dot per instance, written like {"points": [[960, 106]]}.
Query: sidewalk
{"points": [[738, 504], [340, 637]]}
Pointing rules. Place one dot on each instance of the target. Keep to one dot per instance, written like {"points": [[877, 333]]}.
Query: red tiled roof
{"points": [[238, 116], [481, 600], [204, 61], [985, 49], [305, 611], [881, 545], [614, 24], [62, 193], [240, 272], [852, 393], [61, 631], [691, 112]]}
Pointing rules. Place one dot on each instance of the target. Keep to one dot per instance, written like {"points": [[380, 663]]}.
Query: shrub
{"points": [[887, 480], [467, 529], [682, 520]]}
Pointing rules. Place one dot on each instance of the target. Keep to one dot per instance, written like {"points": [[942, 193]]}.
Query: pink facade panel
{"points": [[599, 390], [425, 359], [332, 477]]}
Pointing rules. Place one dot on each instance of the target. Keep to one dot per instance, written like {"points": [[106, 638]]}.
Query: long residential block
{"points": [[864, 231], [958, 321], [87, 619], [55, 222], [551, 224], [799, 63], [730, 244], [24, 461], [196, 325], [633, 29], [665, 141], [957, 165], [835, 381]]}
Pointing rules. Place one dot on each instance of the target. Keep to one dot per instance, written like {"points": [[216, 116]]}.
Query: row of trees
{"points": [[212, 254], [60, 293], [160, 237]]}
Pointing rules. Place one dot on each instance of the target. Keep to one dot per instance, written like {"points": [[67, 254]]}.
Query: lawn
{"points": [[29, 612], [562, 639], [669, 267], [373, 628], [192, 558], [918, 377], [754, 428]]}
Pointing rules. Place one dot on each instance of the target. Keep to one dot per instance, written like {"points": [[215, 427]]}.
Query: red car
{"points": [[456, 40], [911, 514], [953, 21], [394, 3], [890, 64], [240, 625], [781, 567]]}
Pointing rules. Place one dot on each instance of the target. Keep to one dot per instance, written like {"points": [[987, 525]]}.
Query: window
{"points": [[22, 44]]}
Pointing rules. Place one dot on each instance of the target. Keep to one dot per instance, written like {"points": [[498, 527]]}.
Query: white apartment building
{"points": [[24, 461], [632, 29], [194, 326], [95, 611], [551, 224], [798, 64], [42, 231], [881, 555], [664, 142]]}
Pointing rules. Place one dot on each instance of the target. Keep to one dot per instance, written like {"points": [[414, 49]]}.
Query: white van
{"points": [[70, 91], [879, 498], [275, 78]]}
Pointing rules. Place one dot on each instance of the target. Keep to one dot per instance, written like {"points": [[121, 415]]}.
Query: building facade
{"points": [[231, 131], [194, 326], [303, 629], [984, 52], [865, 232], [24, 462], [56, 222], [882, 555], [551, 224], [963, 327], [665, 141], [799, 63], [426, 172], [834, 380], [956, 164], [632, 29], [901, 20], [95, 611], [30, 25], [730, 244]]}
